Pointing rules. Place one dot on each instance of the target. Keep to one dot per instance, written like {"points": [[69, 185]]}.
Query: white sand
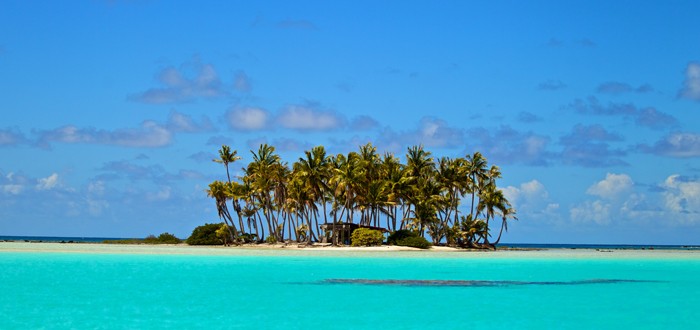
{"points": [[327, 251]]}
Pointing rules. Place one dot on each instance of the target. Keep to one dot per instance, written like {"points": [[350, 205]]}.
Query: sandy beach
{"points": [[328, 251]]}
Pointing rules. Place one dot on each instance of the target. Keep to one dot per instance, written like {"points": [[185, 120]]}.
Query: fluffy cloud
{"points": [[682, 197], [309, 118], [531, 201], [691, 85], [194, 80], [149, 135], [12, 184], [179, 122], [48, 182], [682, 145], [591, 212], [647, 117], [614, 185], [614, 87], [527, 192], [247, 119]]}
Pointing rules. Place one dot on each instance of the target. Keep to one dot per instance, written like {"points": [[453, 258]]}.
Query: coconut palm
{"points": [[508, 212], [218, 191], [476, 170], [491, 201]]}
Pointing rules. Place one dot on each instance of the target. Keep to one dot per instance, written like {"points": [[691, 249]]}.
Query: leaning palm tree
{"points": [[217, 190], [508, 212], [228, 157], [491, 202]]}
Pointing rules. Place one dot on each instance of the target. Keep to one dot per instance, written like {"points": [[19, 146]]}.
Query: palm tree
{"points": [[508, 212], [217, 190], [476, 170], [314, 171], [419, 172], [491, 201], [227, 157]]}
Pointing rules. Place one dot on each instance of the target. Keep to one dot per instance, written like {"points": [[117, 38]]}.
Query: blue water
{"points": [[127, 291]]}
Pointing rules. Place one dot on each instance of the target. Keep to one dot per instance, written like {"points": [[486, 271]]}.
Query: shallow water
{"points": [[124, 287]]}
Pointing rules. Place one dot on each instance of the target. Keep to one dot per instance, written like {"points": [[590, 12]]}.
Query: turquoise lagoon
{"points": [[113, 287]]}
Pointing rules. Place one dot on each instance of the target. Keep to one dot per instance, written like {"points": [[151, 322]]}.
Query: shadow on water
{"points": [[473, 283]]}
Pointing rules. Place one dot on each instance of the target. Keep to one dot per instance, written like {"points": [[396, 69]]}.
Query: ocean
{"points": [[87, 286]]}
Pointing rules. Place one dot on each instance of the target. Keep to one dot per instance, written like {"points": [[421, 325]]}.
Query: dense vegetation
{"points": [[366, 237], [275, 202], [164, 238], [209, 234]]}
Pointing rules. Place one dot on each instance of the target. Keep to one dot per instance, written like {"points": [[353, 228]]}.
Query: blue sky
{"points": [[113, 110]]}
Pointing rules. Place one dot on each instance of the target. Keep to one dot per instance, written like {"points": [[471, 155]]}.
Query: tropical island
{"points": [[357, 198]]}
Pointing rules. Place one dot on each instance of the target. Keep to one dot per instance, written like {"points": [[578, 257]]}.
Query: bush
{"points": [[366, 237], [205, 235], [399, 235], [270, 240], [150, 239], [416, 242], [168, 238]]}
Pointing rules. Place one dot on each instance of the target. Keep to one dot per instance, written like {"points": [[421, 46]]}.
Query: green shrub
{"points": [[150, 239], [270, 240], [416, 242], [205, 235], [168, 238], [366, 237], [399, 235]]}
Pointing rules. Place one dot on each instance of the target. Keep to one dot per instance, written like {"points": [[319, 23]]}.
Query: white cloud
{"points": [[595, 212], [149, 134], [180, 122], [178, 86], [47, 183], [247, 119], [528, 192], [531, 201], [680, 145], [307, 118], [682, 197], [691, 85], [12, 189], [612, 186]]}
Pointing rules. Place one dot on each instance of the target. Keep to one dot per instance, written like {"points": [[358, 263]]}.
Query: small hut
{"points": [[344, 231]]}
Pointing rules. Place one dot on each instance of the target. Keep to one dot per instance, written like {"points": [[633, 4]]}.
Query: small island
{"points": [[357, 199]]}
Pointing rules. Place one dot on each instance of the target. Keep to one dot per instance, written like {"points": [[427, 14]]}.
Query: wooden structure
{"points": [[344, 231]]}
